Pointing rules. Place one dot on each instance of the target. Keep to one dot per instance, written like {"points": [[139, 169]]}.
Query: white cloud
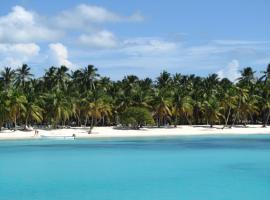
{"points": [[21, 25], [231, 71], [147, 46], [209, 49], [105, 40], [227, 46], [21, 30], [14, 55], [83, 16], [102, 39], [239, 42], [30, 49], [59, 54]]}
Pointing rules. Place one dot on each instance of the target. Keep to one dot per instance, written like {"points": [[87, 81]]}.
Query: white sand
{"points": [[108, 132]]}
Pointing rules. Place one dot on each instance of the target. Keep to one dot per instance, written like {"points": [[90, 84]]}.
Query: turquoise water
{"points": [[189, 168]]}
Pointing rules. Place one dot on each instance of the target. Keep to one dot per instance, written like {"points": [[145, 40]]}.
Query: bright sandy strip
{"points": [[108, 132]]}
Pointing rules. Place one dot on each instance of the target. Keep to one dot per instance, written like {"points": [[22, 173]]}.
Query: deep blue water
{"points": [[188, 168]]}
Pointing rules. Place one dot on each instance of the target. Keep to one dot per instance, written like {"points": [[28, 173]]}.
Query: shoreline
{"points": [[111, 132]]}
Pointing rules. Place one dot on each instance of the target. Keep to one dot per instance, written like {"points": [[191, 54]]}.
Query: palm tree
{"points": [[162, 107], [22, 75], [60, 97], [7, 76], [106, 112], [264, 83], [247, 80], [62, 77], [266, 107], [50, 78], [212, 110], [94, 111], [16, 106], [182, 106], [89, 77], [266, 74], [4, 108], [59, 107], [32, 105], [249, 108], [228, 103], [164, 80]]}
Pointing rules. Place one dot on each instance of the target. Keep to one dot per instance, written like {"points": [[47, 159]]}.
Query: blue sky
{"points": [[137, 37]]}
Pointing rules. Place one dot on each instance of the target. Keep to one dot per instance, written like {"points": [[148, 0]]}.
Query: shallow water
{"points": [[190, 168]]}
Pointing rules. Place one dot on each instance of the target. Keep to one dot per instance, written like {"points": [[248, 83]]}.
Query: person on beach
{"points": [[36, 133]]}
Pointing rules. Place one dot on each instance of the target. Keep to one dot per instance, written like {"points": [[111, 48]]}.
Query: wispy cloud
{"points": [[239, 42], [85, 16]]}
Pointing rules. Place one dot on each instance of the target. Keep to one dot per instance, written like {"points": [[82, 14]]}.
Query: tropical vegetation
{"points": [[82, 97]]}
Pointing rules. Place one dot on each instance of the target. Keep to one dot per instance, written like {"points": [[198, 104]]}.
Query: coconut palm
{"points": [[94, 111], [62, 97], [4, 108], [62, 77], [228, 103], [33, 110], [16, 106], [59, 107], [164, 80], [89, 77], [182, 107], [7, 76], [266, 107], [162, 107], [22, 75], [212, 110], [264, 85], [266, 74]]}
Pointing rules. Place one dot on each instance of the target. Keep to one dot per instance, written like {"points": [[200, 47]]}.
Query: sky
{"points": [[137, 37]]}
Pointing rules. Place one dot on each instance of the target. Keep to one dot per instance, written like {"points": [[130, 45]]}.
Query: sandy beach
{"points": [[108, 132]]}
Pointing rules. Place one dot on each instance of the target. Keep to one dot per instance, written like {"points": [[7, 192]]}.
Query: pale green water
{"points": [[189, 168]]}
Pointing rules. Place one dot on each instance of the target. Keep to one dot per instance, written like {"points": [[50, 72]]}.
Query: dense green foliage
{"points": [[82, 97], [136, 117]]}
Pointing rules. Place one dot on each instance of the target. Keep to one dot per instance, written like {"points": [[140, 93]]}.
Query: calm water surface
{"points": [[188, 168]]}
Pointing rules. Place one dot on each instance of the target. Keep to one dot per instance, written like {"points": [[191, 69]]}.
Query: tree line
{"points": [[82, 97]]}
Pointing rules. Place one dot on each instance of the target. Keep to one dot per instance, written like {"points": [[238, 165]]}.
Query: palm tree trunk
{"points": [[175, 121], [26, 122], [163, 121], [85, 122], [15, 123], [78, 120], [92, 125], [227, 118], [187, 119], [267, 119], [196, 113], [103, 120], [236, 115], [234, 119]]}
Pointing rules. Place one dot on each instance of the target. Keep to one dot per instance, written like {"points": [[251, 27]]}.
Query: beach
{"points": [[109, 132]]}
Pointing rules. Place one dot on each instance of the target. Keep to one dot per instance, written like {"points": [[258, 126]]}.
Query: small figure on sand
{"points": [[36, 133]]}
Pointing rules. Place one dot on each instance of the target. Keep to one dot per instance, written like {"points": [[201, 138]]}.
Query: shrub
{"points": [[136, 117]]}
